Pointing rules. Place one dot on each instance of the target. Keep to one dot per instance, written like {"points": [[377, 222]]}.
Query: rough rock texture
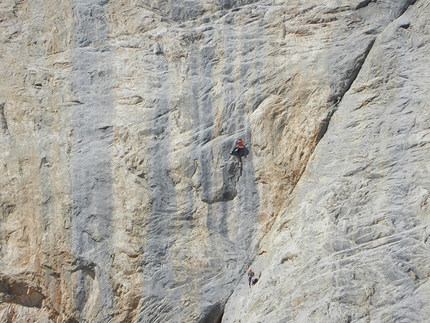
{"points": [[119, 201]]}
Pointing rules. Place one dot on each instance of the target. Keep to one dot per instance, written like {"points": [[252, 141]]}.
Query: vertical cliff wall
{"points": [[119, 199]]}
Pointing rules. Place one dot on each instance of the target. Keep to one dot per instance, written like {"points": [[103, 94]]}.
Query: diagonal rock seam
{"points": [[335, 102], [354, 73]]}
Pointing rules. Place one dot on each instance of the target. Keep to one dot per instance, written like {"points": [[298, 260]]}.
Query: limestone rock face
{"points": [[120, 201]]}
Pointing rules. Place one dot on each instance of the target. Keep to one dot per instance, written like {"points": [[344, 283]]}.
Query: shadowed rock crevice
{"points": [[406, 5], [86, 266], [339, 89], [352, 73], [12, 291], [3, 122], [213, 315], [363, 4], [324, 125]]}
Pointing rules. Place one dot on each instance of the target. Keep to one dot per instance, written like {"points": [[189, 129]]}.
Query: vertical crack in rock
{"points": [[91, 176], [3, 122]]}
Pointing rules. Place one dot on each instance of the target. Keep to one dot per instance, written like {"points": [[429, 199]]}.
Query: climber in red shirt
{"points": [[239, 146]]}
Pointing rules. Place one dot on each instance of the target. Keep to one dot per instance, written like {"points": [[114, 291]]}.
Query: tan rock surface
{"points": [[119, 199]]}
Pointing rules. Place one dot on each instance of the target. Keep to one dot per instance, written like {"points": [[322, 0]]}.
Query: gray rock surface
{"points": [[120, 202]]}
